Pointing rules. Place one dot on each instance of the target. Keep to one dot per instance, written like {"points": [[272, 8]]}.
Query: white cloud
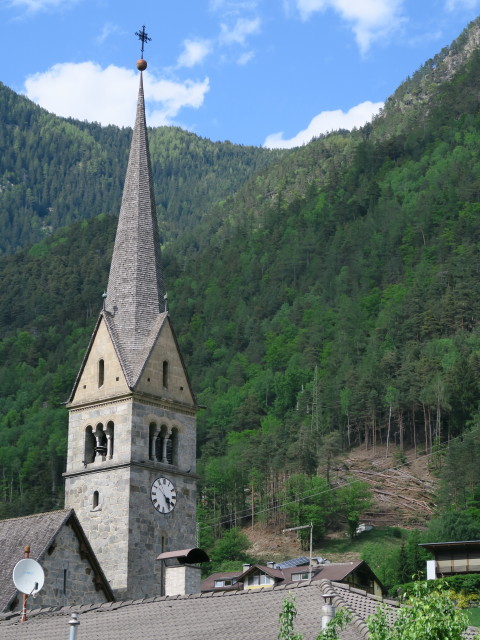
{"points": [[245, 57], [242, 28], [324, 123], [85, 91], [194, 52], [233, 6], [107, 30], [40, 5], [453, 5], [370, 19]]}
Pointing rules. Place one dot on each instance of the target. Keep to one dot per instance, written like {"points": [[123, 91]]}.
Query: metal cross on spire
{"points": [[143, 36]]}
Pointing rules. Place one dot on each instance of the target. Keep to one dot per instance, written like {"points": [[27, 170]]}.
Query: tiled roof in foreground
{"points": [[234, 615]]}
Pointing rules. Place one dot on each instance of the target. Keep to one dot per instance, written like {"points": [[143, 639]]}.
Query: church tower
{"points": [[131, 441]]}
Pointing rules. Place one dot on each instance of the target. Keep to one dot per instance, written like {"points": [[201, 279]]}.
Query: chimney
{"points": [[182, 579], [328, 610], [271, 564], [246, 566]]}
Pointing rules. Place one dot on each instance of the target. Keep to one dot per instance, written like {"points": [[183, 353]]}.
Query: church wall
{"points": [[151, 381], [69, 578], [119, 413], [145, 413], [106, 525], [153, 532], [114, 383], [125, 530]]}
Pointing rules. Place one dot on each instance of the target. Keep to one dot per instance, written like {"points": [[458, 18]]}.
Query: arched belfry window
{"points": [[110, 439], [100, 442], [162, 443], [90, 442], [101, 372], [165, 374], [172, 448], [153, 436]]}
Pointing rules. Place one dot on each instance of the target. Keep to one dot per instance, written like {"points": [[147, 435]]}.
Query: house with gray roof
{"points": [[357, 574]]}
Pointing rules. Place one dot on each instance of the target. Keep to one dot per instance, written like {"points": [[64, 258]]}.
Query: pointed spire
{"points": [[135, 293]]}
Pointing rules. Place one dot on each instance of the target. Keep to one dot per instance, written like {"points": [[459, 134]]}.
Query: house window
{"points": [[165, 374], [228, 582], [101, 373], [258, 579], [300, 576]]}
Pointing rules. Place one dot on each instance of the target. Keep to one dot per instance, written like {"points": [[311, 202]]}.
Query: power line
{"points": [[307, 495]]}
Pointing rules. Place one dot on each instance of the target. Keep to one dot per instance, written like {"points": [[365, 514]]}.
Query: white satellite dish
{"points": [[28, 576]]}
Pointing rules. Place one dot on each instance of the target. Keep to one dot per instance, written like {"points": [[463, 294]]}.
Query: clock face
{"points": [[163, 495]]}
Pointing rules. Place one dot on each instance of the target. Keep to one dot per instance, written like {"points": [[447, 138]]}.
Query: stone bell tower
{"points": [[131, 441]]}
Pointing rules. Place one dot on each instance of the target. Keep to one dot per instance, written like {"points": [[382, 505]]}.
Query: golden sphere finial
{"points": [[141, 64]]}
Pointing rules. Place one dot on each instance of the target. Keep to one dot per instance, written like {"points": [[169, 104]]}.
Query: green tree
{"points": [[352, 501], [308, 499], [287, 620], [231, 546], [430, 614]]}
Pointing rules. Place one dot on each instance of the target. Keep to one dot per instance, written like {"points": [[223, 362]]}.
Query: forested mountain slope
{"points": [[332, 301], [55, 171]]}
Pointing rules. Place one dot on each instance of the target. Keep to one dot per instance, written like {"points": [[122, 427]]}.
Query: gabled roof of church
{"points": [[37, 531], [135, 301]]}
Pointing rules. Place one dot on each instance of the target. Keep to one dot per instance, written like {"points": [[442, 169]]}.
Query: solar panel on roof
{"points": [[294, 562]]}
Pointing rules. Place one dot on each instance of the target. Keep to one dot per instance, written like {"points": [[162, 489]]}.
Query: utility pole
{"points": [[305, 526]]}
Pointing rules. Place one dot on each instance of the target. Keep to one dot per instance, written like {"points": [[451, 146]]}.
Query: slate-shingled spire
{"points": [[135, 293]]}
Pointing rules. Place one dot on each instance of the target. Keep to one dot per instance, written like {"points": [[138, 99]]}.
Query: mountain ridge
{"points": [[328, 302]]}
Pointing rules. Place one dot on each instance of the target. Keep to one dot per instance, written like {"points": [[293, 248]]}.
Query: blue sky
{"points": [[274, 72]]}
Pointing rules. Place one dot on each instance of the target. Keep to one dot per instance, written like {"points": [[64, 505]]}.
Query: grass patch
{"points": [[473, 615], [390, 536]]}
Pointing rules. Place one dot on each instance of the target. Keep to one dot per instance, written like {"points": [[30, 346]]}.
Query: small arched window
{"points": [[165, 374], [95, 500], [101, 373]]}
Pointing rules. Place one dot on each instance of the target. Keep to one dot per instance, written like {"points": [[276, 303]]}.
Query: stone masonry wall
{"points": [[152, 532], [69, 578], [125, 530], [114, 380]]}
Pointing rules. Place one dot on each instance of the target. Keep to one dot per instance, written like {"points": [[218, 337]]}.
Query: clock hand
{"points": [[161, 489], [167, 499]]}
